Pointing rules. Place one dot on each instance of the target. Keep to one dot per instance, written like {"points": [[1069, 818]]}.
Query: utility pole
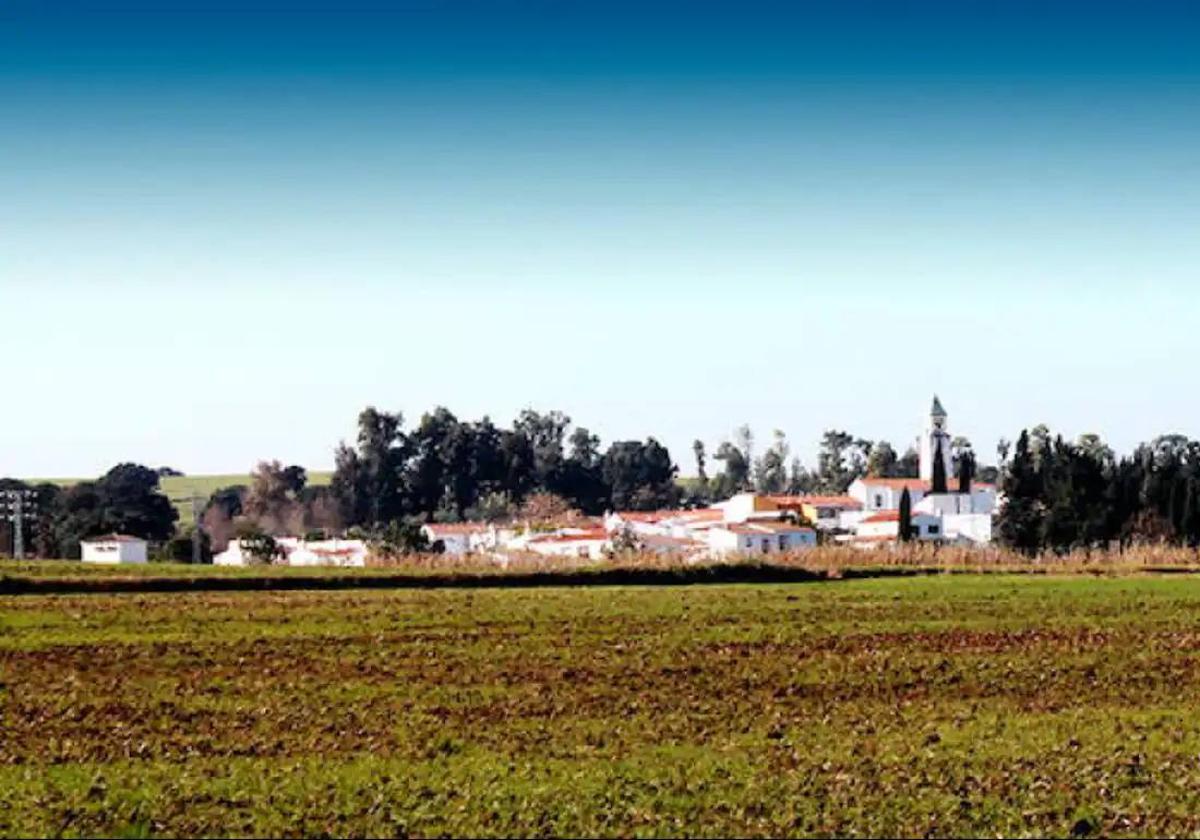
{"points": [[197, 545], [197, 534], [16, 506]]}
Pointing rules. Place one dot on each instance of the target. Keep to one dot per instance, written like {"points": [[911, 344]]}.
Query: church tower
{"points": [[935, 432]]}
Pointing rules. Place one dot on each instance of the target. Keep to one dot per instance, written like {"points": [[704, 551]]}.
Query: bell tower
{"points": [[935, 431]]}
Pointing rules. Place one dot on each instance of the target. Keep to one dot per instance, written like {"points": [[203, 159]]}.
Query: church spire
{"points": [[937, 410]]}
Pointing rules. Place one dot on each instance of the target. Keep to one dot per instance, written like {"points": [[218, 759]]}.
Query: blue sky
{"points": [[229, 227]]}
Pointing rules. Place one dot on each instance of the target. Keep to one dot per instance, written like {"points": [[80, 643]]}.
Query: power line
{"points": [[15, 507]]}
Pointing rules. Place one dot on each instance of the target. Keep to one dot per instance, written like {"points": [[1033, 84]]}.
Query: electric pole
{"points": [[15, 507], [197, 534]]}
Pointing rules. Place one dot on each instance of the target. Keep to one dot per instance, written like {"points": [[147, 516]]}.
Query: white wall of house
{"points": [[925, 527], [297, 552], [456, 543], [114, 551], [876, 496], [980, 500], [556, 547], [969, 527], [751, 541]]}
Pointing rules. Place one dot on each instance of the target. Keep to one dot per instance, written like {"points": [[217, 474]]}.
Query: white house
{"points": [[113, 548], [460, 538], [759, 537], [297, 552], [591, 544], [886, 523], [876, 494]]}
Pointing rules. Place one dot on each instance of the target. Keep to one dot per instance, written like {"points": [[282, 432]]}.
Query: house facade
{"points": [[112, 549]]}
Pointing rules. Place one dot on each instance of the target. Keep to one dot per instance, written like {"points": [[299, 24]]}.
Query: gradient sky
{"points": [[227, 227]]}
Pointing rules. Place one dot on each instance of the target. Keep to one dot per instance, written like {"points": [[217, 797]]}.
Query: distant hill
{"points": [[180, 488]]}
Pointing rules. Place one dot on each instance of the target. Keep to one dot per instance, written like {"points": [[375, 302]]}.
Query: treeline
{"points": [[124, 500], [1062, 495], [841, 458], [448, 469]]}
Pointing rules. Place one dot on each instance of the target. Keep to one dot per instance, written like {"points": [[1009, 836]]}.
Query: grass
{"points": [[941, 705]]}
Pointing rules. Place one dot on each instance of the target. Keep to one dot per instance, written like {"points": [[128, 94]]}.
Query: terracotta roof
{"points": [[586, 536], [669, 542], [898, 483], [818, 501], [456, 527], [894, 516], [121, 538], [920, 484], [702, 515], [652, 516], [760, 528]]}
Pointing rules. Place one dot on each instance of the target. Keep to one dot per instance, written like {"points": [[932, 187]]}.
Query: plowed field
{"points": [[927, 706]]}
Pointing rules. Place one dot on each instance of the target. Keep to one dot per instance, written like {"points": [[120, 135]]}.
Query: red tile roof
{"points": [[456, 527], [847, 502], [584, 537], [762, 528], [920, 484], [120, 538]]}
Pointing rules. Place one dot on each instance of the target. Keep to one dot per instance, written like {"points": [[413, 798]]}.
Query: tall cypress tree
{"points": [[939, 470], [966, 471], [1191, 515], [906, 533]]}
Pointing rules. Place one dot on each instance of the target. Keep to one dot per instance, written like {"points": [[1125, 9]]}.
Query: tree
{"points": [[966, 471], [771, 469], [370, 483], [800, 481], [1020, 521], [841, 459], [544, 509], [273, 500], [545, 434], [882, 461], [906, 527], [580, 478], [735, 476], [939, 470], [402, 537], [640, 475], [698, 451], [261, 547], [128, 502]]}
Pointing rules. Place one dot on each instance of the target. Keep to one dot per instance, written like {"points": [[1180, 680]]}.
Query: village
{"points": [[875, 513]]}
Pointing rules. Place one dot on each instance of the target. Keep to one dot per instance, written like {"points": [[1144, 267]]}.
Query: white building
{"points": [[113, 548], [935, 442], [459, 538], [960, 517], [592, 544], [297, 552], [886, 523], [760, 537]]}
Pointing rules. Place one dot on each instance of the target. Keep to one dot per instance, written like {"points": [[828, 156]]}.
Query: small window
{"points": [[878, 500], [766, 546], [783, 542], [933, 530]]}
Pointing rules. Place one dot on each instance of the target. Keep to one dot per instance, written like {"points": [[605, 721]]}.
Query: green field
{"points": [[929, 706]]}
